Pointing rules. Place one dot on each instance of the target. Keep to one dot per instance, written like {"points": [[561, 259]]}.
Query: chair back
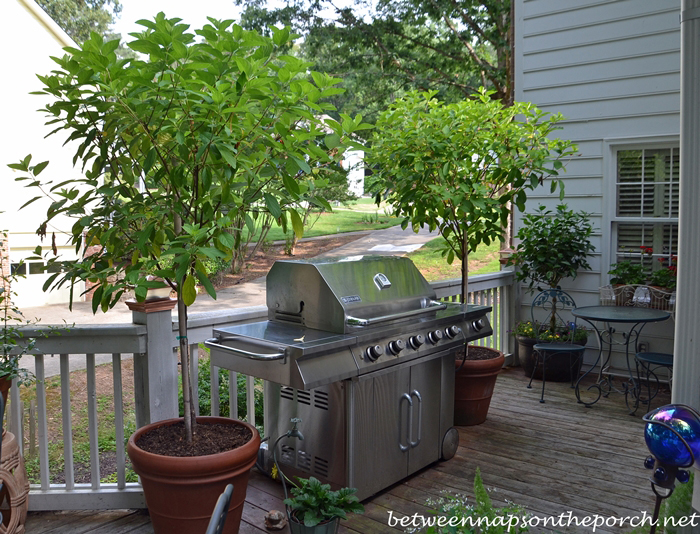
{"points": [[552, 320], [218, 517]]}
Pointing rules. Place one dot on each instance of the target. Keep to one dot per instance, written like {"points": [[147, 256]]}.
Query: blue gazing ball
{"points": [[664, 444]]}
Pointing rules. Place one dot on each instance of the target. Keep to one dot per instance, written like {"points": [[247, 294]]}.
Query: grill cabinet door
{"points": [[425, 394]]}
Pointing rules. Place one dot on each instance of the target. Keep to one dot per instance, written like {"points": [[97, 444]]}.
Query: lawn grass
{"points": [[435, 267], [337, 222]]}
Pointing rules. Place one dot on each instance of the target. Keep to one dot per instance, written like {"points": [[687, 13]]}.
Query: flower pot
{"points": [[13, 475], [298, 527], [181, 492], [558, 365], [474, 384]]}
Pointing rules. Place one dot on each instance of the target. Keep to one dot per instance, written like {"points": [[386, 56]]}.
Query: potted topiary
{"points": [[182, 148], [475, 378], [553, 245], [314, 508]]}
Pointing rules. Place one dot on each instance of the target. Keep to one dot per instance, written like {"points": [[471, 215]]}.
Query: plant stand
{"points": [[558, 366]]}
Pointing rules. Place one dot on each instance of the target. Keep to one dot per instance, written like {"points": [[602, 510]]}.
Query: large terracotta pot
{"points": [[181, 492], [474, 384], [558, 365]]}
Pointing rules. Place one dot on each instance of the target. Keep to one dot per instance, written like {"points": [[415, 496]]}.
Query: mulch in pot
{"points": [[170, 440]]}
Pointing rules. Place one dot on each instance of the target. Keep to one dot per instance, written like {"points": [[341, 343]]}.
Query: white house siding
{"points": [[612, 68], [28, 38]]}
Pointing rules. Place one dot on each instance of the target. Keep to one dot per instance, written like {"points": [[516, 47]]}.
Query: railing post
{"points": [[156, 370]]}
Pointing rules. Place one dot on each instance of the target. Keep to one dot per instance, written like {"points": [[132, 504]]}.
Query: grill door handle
{"points": [[406, 397], [214, 343], [415, 393], [358, 321]]}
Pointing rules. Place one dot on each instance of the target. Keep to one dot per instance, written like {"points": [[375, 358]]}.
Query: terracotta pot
{"points": [[181, 492], [474, 384], [558, 365]]}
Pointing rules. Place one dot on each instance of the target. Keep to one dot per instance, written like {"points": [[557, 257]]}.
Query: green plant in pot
{"points": [[554, 245], [181, 148], [315, 508]]}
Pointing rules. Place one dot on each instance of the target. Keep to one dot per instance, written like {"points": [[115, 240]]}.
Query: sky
{"points": [[192, 12]]}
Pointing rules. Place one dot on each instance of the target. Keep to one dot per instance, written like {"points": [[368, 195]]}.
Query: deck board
{"points": [[552, 458]]}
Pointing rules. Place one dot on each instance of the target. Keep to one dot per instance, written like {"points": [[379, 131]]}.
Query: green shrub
{"points": [[204, 388]]}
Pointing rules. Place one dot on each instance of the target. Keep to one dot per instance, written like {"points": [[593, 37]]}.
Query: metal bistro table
{"points": [[610, 316]]}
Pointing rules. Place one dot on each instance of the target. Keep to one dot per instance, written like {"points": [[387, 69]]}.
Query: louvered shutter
{"points": [[647, 190]]}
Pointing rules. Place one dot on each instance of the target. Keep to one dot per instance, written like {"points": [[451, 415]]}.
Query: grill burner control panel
{"points": [[378, 353]]}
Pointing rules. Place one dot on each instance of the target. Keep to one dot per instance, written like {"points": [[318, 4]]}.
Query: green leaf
{"points": [[189, 290], [39, 167], [273, 206], [332, 141], [302, 164], [202, 277], [297, 223]]}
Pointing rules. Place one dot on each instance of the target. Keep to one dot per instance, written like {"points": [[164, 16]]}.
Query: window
{"points": [[646, 213]]}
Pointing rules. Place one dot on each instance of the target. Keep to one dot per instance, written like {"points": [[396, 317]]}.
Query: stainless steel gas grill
{"points": [[363, 354]]}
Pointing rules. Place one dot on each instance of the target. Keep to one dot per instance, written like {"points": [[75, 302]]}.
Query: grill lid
{"points": [[344, 295]]}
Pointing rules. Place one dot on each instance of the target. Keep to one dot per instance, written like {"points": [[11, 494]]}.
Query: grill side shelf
{"points": [[215, 343], [357, 321]]}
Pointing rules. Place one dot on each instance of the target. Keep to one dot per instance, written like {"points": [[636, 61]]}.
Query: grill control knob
{"points": [[396, 346], [435, 336], [374, 352], [478, 324], [453, 331], [416, 341]]}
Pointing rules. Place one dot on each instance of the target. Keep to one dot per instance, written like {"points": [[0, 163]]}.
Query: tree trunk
{"points": [[184, 351]]}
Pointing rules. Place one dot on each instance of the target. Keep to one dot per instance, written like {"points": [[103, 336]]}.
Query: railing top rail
{"points": [[86, 338]]}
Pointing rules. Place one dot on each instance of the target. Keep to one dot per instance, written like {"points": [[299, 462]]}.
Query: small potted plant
{"points": [[314, 508], [663, 282]]}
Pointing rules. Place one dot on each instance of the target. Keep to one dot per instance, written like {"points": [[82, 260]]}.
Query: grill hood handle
{"points": [[357, 321], [215, 343]]}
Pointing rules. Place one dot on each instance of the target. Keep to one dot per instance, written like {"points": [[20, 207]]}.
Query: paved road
{"points": [[391, 241]]}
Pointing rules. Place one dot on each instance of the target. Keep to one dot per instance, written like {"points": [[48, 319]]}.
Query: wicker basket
{"points": [[640, 296]]}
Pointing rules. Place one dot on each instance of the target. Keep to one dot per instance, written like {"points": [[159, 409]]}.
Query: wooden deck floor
{"points": [[551, 458]]}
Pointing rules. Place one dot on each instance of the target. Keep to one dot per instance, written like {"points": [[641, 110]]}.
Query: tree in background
{"points": [[80, 17], [458, 167], [385, 50]]}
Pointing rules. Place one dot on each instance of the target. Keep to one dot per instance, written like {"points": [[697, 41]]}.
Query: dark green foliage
{"points": [[204, 389], [626, 272], [314, 503], [389, 48], [553, 246]]}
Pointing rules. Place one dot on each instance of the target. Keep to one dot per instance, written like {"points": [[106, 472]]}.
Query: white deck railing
{"points": [[152, 345]]}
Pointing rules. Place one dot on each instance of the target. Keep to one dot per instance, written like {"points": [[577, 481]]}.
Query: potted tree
{"points": [[553, 245], [177, 147], [460, 167]]}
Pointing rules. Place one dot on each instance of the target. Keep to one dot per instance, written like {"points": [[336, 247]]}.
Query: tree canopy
{"points": [[383, 51], [80, 17]]}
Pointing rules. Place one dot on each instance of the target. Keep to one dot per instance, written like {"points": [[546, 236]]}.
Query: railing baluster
{"points": [[194, 374], [16, 409], [233, 394], [215, 400], [119, 419], [250, 397], [92, 422], [67, 422], [43, 430]]}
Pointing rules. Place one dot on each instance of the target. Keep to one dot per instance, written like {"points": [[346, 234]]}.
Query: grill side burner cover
{"points": [[321, 294]]}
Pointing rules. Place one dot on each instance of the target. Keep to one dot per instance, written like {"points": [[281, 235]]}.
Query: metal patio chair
{"points": [[647, 364], [218, 516], [547, 312]]}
